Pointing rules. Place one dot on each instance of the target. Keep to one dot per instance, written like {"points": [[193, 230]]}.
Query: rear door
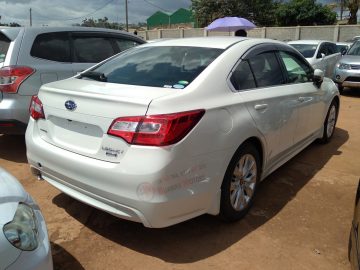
{"points": [[89, 49], [92, 48], [331, 59], [271, 103], [49, 55]]}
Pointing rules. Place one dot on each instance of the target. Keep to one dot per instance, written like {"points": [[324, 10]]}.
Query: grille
{"points": [[355, 66], [353, 79]]}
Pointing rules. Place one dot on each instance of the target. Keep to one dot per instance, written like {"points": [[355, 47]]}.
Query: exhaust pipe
{"points": [[36, 172]]}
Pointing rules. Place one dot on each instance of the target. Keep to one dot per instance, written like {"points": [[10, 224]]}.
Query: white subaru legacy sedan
{"points": [[174, 129]]}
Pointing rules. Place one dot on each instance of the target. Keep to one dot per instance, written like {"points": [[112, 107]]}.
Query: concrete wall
{"points": [[328, 32]]}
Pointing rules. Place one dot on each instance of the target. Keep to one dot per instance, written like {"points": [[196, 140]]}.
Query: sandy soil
{"points": [[300, 220]]}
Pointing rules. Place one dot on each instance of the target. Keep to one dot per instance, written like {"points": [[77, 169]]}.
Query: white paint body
{"points": [[326, 63], [162, 186]]}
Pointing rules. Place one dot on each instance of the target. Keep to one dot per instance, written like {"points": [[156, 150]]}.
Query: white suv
{"points": [[33, 56]]}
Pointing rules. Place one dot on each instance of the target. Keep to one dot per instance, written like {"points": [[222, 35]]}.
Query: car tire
{"points": [[240, 183], [330, 122]]}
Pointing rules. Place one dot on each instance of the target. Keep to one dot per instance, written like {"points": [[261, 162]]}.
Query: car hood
{"points": [[11, 193], [350, 59]]}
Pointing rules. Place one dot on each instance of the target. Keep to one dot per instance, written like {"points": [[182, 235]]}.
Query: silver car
{"points": [[319, 53], [24, 242], [32, 56], [347, 70]]}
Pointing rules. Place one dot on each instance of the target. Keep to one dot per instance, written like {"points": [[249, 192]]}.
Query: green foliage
{"points": [[102, 22], [304, 12], [353, 6], [262, 12]]}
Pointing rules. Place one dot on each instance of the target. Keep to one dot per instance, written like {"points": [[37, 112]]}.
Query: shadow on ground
{"points": [[206, 236], [351, 92], [12, 148], [63, 259]]}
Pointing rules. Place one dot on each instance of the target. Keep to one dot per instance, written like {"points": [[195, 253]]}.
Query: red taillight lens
{"points": [[155, 130], [11, 77], [36, 108]]}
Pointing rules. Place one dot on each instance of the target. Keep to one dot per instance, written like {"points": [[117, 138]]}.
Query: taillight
{"points": [[11, 77], [155, 130], [36, 108]]}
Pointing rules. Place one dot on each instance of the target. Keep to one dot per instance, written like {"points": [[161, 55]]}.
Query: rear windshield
{"points": [[355, 49], [158, 66], [4, 46], [307, 50]]}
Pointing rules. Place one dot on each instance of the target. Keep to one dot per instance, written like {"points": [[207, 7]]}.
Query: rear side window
{"points": [[92, 49], [242, 78], [4, 46], [266, 69], [163, 66], [125, 44], [52, 46]]}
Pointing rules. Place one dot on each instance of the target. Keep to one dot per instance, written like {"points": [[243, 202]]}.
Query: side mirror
{"points": [[318, 77]]}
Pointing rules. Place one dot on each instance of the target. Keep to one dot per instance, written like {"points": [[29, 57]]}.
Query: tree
{"points": [[101, 22], [304, 12], [353, 6], [262, 12]]}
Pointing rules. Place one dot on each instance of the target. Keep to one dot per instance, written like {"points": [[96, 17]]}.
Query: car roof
{"points": [[309, 41], [343, 43], [47, 29], [218, 42]]}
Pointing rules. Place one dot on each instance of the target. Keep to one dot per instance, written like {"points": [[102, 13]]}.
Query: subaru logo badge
{"points": [[70, 105]]}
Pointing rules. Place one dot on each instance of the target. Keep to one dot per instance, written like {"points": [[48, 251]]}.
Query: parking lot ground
{"points": [[300, 220]]}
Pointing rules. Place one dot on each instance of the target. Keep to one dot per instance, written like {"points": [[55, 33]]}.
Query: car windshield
{"points": [[355, 49], [307, 50], [4, 46], [158, 66]]}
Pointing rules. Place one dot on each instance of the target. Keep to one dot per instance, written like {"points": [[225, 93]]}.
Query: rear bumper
{"points": [[14, 113], [149, 185], [12, 127]]}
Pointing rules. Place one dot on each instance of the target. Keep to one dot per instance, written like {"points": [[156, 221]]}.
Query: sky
{"points": [[68, 12]]}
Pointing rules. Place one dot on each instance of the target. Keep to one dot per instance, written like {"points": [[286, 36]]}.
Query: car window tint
{"points": [[4, 46], [354, 49], [297, 70], [52, 46], [266, 69], [307, 50], [125, 44], [323, 50], [168, 67], [332, 48], [242, 77], [92, 49]]}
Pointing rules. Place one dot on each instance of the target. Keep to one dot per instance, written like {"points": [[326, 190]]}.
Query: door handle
{"points": [[260, 107]]}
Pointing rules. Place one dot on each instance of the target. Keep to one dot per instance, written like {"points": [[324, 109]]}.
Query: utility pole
{"points": [[30, 18], [126, 15]]}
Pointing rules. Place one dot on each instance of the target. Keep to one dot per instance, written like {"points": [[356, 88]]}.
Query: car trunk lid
{"points": [[79, 113]]}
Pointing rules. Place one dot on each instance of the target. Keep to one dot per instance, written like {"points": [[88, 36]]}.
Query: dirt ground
{"points": [[300, 220]]}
